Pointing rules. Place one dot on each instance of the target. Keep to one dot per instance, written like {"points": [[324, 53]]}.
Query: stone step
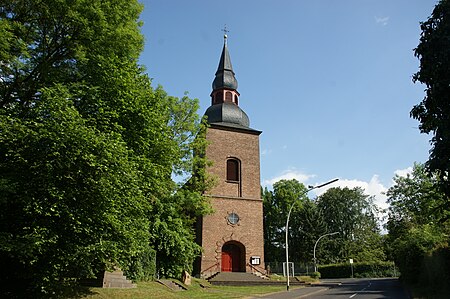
{"points": [[242, 278], [236, 276], [173, 285], [119, 284], [255, 283], [116, 279]]}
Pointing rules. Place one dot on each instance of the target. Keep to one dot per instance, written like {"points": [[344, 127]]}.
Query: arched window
{"points": [[233, 170], [218, 98], [228, 97]]}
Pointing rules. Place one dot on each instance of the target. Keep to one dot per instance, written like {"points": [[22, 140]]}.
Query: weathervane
{"points": [[225, 36]]}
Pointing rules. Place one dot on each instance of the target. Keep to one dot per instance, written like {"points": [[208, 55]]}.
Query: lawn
{"points": [[155, 290]]}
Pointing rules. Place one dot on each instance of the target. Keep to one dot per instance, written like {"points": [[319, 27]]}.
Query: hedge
{"points": [[343, 270]]}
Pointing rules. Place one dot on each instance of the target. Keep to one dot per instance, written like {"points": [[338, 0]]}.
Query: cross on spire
{"points": [[225, 36]]}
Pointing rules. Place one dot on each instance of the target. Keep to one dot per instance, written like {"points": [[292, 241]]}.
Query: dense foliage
{"points": [[419, 228], [434, 110], [276, 207], [375, 269], [354, 215], [418, 225], [88, 148], [349, 212]]}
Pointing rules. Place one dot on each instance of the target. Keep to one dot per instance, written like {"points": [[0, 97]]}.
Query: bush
{"points": [[315, 275], [143, 267], [435, 270], [342, 270], [411, 249]]}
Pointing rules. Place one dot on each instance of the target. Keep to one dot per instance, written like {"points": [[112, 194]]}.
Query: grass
{"points": [[158, 291], [307, 279]]}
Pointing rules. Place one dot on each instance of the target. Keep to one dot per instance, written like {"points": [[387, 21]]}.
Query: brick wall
{"points": [[227, 197], [226, 144]]}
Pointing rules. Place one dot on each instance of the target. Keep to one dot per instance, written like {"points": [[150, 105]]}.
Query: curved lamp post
{"points": [[315, 245], [287, 227]]}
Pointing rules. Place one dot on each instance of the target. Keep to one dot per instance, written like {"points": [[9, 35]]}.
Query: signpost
{"points": [[351, 266], [289, 271]]}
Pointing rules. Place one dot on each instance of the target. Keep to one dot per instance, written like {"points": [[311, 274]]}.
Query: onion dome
{"points": [[227, 113]]}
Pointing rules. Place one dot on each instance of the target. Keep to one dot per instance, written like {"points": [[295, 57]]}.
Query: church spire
{"points": [[224, 110], [225, 84]]}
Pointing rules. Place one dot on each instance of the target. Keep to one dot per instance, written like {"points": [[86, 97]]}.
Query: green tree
{"points": [[417, 223], [272, 239], [70, 196], [276, 207], [433, 111], [88, 148], [415, 199], [308, 224], [354, 215], [49, 41]]}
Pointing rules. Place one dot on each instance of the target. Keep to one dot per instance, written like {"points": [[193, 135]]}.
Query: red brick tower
{"points": [[231, 238]]}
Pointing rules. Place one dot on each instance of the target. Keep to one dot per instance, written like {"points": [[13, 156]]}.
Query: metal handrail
{"points": [[215, 265], [256, 269]]}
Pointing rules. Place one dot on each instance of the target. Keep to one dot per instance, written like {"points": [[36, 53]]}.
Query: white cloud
{"points": [[382, 20], [373, 188], [266, 152], [289, 175], [403, 172]]}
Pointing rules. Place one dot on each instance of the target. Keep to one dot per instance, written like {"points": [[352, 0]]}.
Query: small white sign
{"points": [[255, 260], [351, 261]]}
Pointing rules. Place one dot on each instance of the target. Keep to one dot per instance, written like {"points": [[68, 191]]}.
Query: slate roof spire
{"points": [[225, 74], [224, 110]]}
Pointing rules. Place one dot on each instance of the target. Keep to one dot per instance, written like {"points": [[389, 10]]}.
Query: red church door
{"points": [[231, 258]]}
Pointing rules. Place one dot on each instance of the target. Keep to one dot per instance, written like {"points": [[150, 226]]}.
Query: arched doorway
{"points": [[233, 257]]}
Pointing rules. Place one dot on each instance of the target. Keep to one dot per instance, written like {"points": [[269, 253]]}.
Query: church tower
{"points": [[232, 237]]}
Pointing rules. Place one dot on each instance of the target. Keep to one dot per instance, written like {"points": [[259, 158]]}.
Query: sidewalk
{"points": [[295, 293]]}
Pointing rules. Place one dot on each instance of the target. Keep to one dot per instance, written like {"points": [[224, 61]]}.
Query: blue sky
{"points": [[328, 82]]}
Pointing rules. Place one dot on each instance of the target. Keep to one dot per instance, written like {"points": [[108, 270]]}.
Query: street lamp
{"points": [[287, 226], [315, 245]]}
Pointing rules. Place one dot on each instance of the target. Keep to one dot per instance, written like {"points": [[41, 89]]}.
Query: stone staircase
{"points": [[242, 279], [171, 284], [116, 279]]}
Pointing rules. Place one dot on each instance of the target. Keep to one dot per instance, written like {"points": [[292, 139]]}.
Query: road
{"points": [[364, 289], [348, 289]]}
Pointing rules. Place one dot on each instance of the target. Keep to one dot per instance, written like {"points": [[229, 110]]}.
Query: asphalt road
{"points": [[348, 289], [365, 289]]}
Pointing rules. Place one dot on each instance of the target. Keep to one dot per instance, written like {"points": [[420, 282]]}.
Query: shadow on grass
{"points": [[23, 291]]}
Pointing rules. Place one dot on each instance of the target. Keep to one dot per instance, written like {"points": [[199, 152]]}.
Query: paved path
{"points": [[366, 289], [348, 289]]}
